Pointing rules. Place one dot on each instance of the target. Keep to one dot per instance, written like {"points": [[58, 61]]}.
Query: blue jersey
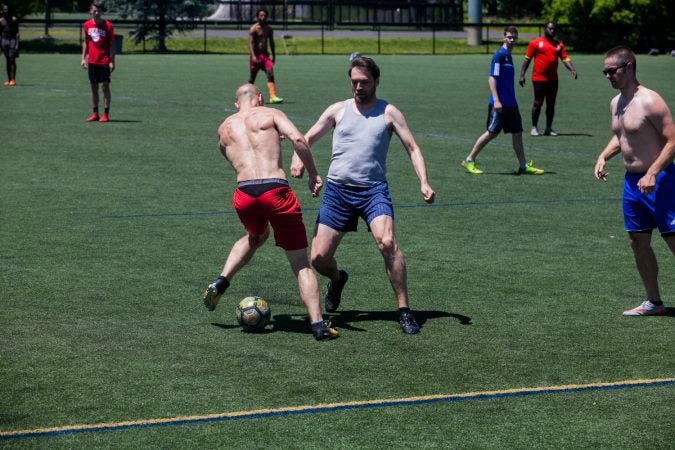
{"points": [[503, 71]]}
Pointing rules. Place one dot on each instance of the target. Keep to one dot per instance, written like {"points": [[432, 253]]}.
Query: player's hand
{"points": [[428, 194], [315, 185], [647, 183], [297, 167], [600, 173], [111, 65], [83, 63]]}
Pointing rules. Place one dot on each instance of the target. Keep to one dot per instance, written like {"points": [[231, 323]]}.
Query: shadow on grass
{"points": [[345, 320], [564, 134], [670, 312]]}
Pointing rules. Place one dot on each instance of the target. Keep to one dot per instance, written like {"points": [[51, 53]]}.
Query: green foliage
{"points": [[161, 17], [597, 25], [513, 9], [22, 8]]}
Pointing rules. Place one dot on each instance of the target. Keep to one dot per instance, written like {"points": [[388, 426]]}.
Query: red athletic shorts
{"points": [[278, 207], [264, 62]]}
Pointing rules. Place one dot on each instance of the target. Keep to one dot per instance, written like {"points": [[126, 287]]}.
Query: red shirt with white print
{"points": [[99, 41]]}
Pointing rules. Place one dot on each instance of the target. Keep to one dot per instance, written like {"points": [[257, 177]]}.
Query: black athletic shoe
{"points": [[324, 331], [408, 323], [334, 294]]}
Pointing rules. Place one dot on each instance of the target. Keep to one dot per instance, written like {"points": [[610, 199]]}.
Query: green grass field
{"points": [[111, 231]]}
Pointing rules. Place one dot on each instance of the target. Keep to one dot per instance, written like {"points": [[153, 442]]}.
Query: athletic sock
{"points": [[106, 110], [272, 88], [221, 284]]}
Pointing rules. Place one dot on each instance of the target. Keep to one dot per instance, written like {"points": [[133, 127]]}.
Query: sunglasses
{"points": [[612, 70]]}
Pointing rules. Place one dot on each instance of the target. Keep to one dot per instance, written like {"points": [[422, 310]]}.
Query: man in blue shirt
{"points": [[503, 113]]}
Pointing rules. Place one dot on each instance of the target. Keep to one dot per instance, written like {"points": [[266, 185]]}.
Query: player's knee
{"points": [[388, 246], [319, 260]]}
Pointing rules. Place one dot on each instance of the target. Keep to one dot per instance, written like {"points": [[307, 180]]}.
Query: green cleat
{"points": [[470, 167], [529, 170], [276, 100]]}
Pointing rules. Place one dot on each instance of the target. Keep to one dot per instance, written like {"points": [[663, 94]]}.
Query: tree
{"points": [[598, 25], [160, 18]]}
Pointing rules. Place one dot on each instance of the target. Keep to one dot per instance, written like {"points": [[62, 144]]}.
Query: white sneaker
{"points": [[647, 308], [534, 131], [550, 132]]}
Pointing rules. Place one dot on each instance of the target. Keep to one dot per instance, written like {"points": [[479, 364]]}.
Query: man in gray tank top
{"points": [[357, 186]]}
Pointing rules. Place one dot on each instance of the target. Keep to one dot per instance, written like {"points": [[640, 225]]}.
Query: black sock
{"points": [[106, 110], [657, 302], [95, 109], [403, 310], [221, 284]]}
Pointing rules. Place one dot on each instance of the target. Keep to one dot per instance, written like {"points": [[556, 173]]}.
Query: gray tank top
{"points": [[360, 146]]}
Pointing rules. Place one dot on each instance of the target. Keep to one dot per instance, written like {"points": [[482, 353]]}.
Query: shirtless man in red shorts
{"points": [[251, 141], [259, 35]]}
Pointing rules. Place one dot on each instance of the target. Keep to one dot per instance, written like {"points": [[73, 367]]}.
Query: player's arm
{"points": [[325, 122], [399, 125], [612, 149], [568, 64], [567, 61], [660, 117], [85, 49], [301, 150], [272, 46], [492, 84], [251, 43], [112, 49], [523, 71], [18, 37]]}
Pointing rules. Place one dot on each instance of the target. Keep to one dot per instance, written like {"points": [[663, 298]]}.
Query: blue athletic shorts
{"points": [[644, 212], [341, 206], [508, 120]]}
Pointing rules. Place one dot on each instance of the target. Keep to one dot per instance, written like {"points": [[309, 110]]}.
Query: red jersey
{"points": [[546, 54], [99, 40]]}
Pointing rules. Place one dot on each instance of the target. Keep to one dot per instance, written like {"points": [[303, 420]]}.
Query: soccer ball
{"points": [[253, 313]]}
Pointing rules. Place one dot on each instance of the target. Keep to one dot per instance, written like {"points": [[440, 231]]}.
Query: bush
{"points": [[598, 25]]}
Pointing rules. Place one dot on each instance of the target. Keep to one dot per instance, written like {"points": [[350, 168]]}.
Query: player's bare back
{"points": [[250, 142]]}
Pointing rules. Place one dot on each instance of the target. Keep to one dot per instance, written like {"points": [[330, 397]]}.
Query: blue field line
{"points": [[418, 205], [333, 407]]}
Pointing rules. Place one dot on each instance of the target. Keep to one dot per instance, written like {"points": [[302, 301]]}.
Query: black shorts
{"points": [[508, 120], [99, 73], [545, 90]]}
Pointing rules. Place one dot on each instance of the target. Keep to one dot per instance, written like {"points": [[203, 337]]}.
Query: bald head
{"points": [[246, 93]]}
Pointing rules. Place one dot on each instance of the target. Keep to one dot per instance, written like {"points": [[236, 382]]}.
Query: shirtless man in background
{"points": [[259, 36], [251, 141], [644, 134]]}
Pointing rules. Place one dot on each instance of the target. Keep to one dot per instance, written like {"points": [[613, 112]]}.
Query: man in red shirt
{"points": [[98, 56], [545, 50]]}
